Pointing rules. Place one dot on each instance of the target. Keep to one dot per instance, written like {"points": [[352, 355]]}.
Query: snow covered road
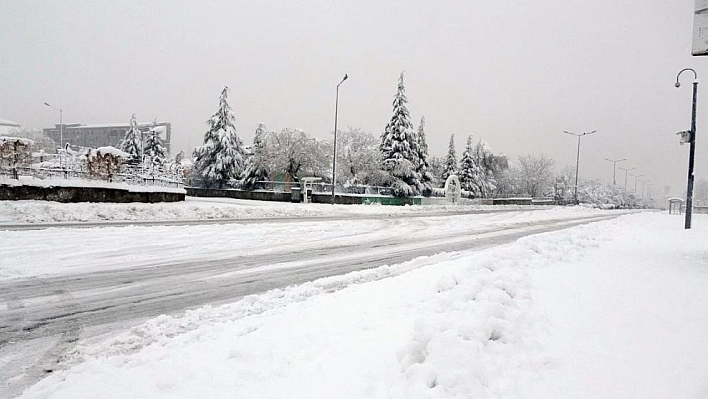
{"points": [[78, 283], [615, 309]]}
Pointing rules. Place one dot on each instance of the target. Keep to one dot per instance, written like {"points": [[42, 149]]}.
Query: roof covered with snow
{"points": [[6, 122]]}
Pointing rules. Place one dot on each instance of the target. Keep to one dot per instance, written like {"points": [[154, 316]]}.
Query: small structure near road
{"points": [[675, 205], [453, 189]]}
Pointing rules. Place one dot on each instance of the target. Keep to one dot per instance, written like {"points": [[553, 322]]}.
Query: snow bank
{"points": [[202, 208]]}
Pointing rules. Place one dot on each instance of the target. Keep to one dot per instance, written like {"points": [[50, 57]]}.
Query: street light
{"points": [[614, 168], [692, 151], [626, 172], [636, 177], [334, 162], [61, 130], [577, 160]]}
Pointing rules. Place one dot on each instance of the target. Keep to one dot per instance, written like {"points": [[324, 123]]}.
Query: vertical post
{"points": [[691, 158], [61, 138], [577, 163], [334, 160]]}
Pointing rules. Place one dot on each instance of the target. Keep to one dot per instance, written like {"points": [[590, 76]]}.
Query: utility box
{"points": [[295, 194]]}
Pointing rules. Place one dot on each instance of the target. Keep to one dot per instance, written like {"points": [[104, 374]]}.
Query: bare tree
{"points": [[536, 175], [358, 156], [294, 152]]}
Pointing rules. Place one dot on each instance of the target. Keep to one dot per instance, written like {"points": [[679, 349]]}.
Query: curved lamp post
{"points": [[577, 161], [614, 168], [334, 160], [692, 150]]}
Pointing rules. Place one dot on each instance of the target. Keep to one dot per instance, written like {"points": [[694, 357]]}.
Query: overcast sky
{"points": [[514, 73]]}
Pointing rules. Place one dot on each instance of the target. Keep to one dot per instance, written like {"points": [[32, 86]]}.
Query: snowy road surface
{"points": [[60, 285], [615, 309]]}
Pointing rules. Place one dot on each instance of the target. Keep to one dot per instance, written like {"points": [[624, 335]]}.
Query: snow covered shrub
{"points": [[104, 162], [14, 152]]}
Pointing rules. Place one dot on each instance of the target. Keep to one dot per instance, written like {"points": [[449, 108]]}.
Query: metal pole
{"points": [[577, 161], [691, 159], [692, 150], [334, 160], [614, 169], [577, 165], [61, 138]]}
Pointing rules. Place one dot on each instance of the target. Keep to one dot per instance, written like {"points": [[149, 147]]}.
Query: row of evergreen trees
{"points": [[153, 150], [403, 155]]}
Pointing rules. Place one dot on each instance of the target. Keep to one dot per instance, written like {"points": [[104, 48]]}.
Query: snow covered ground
{"points": [[615, 309]]}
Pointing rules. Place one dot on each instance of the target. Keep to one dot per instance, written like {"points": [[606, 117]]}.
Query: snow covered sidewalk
{"points": [[614, 309]]}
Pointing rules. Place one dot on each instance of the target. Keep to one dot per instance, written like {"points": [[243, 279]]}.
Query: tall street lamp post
{"points": [[692, 150], [614, 168], [334, 160], [626, 172], [577, 161], [636, 177], [61, 131]]}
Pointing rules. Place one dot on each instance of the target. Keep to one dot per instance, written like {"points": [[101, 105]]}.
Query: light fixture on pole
{"points": [[334, 158], [626, 172], [692, 150], [577, 161], [614, 169], [61, 130]]}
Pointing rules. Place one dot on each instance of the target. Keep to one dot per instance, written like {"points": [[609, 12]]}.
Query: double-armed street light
{"points": [[334, 160], [626, 172], [61, 130], [577, 160], [692, 150], [614, 168]]}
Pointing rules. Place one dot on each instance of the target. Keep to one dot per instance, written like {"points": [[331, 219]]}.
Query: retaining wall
{"points": [[84, 194]]}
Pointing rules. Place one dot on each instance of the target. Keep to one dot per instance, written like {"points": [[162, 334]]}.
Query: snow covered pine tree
{"points": [[399, 155], [450, 160], [154, 148], [221, 158], [468, 169], [131, 142], [426, 177], [256, 164]]}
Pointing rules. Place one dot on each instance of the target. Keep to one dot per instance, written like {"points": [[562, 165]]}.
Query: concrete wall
{"points": [[84, 194]]}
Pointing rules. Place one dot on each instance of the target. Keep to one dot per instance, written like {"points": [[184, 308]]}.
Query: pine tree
{"points": [[426, 177], [154, 148], [468, 169], [256, 164], [450, 160], [131, 142], [221, 157], [399, 148]]}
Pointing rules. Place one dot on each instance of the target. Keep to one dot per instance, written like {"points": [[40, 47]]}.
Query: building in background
{"points": [[7, 127], [107, 134]]}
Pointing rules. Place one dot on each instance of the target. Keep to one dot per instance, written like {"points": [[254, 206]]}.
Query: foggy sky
{"points": [[513, 73]]}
